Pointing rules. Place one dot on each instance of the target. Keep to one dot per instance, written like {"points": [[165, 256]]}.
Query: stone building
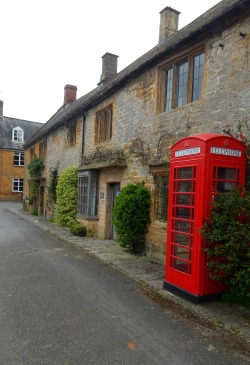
{"points": [[13, 134], [58, 144], [194, 80]]}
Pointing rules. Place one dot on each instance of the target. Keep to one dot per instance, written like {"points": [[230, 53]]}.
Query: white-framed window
{"points": [[88, 193], [17, 135], [18, 158], [17, 185]]}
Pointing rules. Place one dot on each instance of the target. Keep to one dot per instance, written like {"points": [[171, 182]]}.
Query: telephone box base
{"points": [[189, 296]]}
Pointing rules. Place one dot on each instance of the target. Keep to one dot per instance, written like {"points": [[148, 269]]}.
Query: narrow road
{"points": [[59, 306]]}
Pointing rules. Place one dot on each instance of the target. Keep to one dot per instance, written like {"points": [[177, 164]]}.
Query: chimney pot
{"points": [[69, 93], [169, 23], [109, 65]]}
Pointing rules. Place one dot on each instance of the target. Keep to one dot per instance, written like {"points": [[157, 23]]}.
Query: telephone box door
{"points": [[182, 234]]}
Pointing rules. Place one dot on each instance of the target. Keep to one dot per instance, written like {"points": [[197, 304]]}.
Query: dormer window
{"points": [[17, 135]]}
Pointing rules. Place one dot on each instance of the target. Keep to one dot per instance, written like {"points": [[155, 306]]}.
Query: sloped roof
{"points": [[222, 11], [6, 126]]}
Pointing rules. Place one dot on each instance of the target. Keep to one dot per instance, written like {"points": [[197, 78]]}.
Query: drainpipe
{"points": [[83, 133], [1, 169]]}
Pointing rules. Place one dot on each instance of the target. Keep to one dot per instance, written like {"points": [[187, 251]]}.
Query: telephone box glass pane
{"points": [[224, 179], [184, 186], [181, 265], [181, 239], [226, 173], [185, 199], [185, 213], [224, 186], [181, 252], [183, 226], [185, 173]]}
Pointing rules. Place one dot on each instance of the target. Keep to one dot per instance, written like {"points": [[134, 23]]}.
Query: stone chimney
{"points": [[169, 23], [1, 109], [69, 93], [109, 65]]}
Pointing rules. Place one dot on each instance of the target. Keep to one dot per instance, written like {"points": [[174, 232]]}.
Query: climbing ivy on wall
{"points": [[51, 189], [36, 167], [52, 185]]}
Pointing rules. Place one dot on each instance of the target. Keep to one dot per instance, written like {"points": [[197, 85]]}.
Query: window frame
{"points": [[32, 153], [88, 193], [20, 159], [42, 151], [20, 183], [104, 124], [17, 135], [71, 133], [173, 65], [158, 199]]}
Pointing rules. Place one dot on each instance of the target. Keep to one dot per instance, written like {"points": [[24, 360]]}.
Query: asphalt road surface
{"points": [[59, 306]]}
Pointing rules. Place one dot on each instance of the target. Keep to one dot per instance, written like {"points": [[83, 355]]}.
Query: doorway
{"points": [[41, 201], [114, 189]]}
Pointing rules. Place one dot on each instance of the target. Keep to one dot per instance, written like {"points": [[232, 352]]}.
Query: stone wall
{"points": [[227, 90], [145, 134], [60, 154], [224, 104], [59, 149]]}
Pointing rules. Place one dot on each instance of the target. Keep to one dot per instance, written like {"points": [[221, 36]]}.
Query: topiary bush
{"points": [[227, 239], [132, 216], [78, 229], [66, 192]]}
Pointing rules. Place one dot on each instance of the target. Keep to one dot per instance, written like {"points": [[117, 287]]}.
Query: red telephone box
{"points": [[200, 166]]}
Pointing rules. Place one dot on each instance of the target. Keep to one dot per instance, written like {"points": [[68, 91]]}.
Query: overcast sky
{"points": [[46, 44]]}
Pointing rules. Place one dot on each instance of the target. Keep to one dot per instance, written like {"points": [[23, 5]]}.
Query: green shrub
{"points": [[227, 237], [132, 216], [66, 192], [78, 229]]}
